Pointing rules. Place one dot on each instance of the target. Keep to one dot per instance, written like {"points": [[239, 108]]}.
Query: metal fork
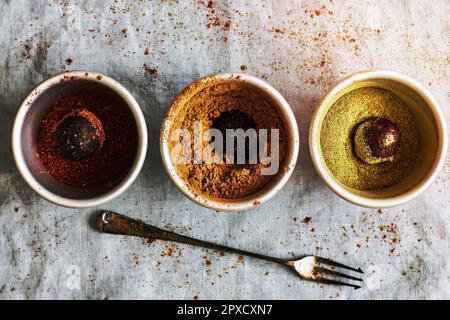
{"points": [[311, 268]]}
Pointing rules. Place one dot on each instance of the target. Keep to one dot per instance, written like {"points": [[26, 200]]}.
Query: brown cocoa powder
{"points": [[227, 181]]}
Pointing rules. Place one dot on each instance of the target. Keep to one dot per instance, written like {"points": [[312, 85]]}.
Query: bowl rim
{"points": [[16, 141], [264, 194], [441, 152]]}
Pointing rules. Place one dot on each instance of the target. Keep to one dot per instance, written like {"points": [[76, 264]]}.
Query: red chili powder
{"points": [[111, 162]]}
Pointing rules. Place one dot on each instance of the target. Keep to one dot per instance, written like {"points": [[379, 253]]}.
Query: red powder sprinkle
{"points": [[65, 78], [215, 22], [210, 4], [148, 241], [195, 297], [146, 52], [392, 228], [317, 12], [207, 261], [307, 220], [69, 61]]}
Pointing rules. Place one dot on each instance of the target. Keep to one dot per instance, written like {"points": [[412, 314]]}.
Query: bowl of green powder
{"points": [[378, 139]]}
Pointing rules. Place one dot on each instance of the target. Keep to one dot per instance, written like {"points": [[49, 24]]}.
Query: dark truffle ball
{"points": [[234, 120], [79, 135], [377, 140]]}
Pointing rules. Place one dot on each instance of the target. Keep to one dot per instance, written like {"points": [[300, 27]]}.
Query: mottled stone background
{"points": [[155, 48]]}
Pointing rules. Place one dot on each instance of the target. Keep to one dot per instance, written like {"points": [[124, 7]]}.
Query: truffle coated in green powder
{"points": [[338, 129], [376, 140]]}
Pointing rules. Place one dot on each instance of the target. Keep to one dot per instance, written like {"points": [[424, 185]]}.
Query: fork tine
{"points": [[337, 264], [335, 282], [321, 270]]}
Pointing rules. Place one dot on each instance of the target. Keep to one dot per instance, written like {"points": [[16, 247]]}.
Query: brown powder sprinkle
{"points": [[227, 25], [151, 71], [278, 30], [208, 262]]}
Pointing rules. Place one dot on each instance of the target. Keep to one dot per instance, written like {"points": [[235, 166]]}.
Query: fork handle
{"points": [[111, 222]]}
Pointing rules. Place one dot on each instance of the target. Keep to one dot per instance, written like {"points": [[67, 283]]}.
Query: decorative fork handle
{"points": [[111, 222]]}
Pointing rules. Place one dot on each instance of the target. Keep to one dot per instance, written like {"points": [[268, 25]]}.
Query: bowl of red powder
{"points": [[79, 139]]}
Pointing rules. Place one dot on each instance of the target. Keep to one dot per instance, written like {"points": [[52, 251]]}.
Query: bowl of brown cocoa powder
{"points": [[79, 139], [229, 142]]}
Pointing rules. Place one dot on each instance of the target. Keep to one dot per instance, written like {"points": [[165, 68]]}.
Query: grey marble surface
{"points": [[301, 48]]}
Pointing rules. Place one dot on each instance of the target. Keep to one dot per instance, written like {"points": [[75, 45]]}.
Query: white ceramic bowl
{"points": [[25, 130], [433, 129], [283, 174]]}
